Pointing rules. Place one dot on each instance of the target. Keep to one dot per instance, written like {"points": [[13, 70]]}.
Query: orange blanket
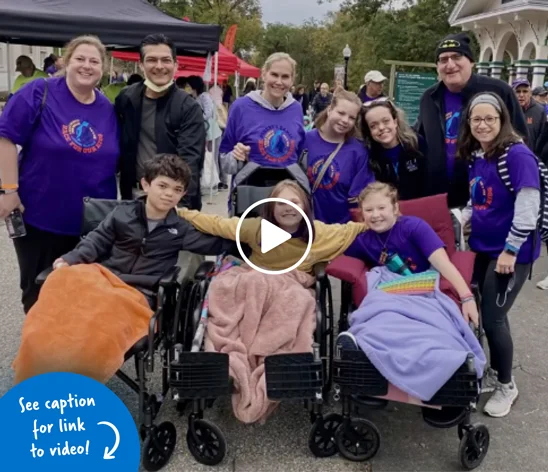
{"points": [[253, 315], [84, 322]]}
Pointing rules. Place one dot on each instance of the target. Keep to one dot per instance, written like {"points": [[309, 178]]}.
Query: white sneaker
{"points": [[501, 402], [489, 382], [543, 284]]}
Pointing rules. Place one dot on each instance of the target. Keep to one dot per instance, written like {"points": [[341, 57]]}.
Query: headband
{"points": [[488, 99]]}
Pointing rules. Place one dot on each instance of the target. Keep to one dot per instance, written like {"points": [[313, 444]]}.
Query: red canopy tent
{"points": [[228, 62], [247, 70]]}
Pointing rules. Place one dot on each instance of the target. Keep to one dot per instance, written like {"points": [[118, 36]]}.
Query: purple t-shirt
{"points": [[276, 137], [453, 110], [69, 152], [411, 238], [347, 176], [493, 203]]}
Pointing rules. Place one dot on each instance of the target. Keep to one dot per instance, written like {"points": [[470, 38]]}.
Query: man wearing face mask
{"points": [[157, 117]]}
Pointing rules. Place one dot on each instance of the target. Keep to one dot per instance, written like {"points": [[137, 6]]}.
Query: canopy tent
{"points": [[123, 23], [247, 70], [228, 62]]}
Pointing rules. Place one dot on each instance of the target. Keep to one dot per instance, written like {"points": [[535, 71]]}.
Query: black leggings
{"points": [[36, 252], [495, 318]]}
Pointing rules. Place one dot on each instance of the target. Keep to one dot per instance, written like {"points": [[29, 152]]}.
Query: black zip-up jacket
{"points": [[535, 115], [123, 244], [180, 129], [431, 126], [411, 177]]}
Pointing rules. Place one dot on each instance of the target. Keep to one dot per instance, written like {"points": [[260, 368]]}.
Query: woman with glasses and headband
{"points": [[337, 161], [396, 153], [503, 224]]}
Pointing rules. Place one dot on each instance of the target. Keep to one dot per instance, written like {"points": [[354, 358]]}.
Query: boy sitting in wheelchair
{"points": [[112, 279], [140, 240], [408, 328]]}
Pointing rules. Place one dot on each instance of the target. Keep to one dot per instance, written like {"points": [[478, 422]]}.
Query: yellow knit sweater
{"points": [[330, 240]]}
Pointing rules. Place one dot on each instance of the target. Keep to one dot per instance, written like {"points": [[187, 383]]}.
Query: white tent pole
{"points": [[111, 69], [237, 84], [8, 58], [214, 148]]}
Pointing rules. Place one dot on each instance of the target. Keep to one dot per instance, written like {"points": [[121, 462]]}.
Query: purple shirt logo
{"points": [[452, 127], [481, 195], [276, 144], [82, 137], [330, 178]]}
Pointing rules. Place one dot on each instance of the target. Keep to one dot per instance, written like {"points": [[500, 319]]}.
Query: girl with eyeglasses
{"points": [[396, 153], [503, 235]]}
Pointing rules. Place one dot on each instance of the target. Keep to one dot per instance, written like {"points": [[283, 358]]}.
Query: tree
{"points": [[245, 13]]}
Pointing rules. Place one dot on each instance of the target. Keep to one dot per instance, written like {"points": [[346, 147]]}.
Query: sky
{"points": [[295, 11]]}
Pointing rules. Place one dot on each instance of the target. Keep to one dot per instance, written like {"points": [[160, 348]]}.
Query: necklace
{"points": [[384, 252]]}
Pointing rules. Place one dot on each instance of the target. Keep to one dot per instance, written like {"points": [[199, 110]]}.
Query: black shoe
{"points": [[223, 186]]}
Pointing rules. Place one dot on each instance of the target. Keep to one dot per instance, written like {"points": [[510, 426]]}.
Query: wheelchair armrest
{"points": [[346, 268], [205, 268], [320, 270], [42, 276], [170, 277]]}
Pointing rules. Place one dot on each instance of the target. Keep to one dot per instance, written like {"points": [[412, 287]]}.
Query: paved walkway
{"points": [[518, 442]]}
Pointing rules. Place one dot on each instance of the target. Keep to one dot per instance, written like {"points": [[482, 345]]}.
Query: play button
{"points": [[272, 236]]}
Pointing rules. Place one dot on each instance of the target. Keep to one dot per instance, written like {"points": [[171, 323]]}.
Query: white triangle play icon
{"points": [[272, 236]]}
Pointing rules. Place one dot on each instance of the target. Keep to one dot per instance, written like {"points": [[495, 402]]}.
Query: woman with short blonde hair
{"points": [[265, 126], [69, 134]]}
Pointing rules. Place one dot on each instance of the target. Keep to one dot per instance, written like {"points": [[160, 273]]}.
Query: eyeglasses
{"points": [[489, 120], [379, 101], [455, 58]]}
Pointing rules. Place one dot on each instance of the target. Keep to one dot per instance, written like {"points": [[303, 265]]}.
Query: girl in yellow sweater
{"points": [[329, 241]]}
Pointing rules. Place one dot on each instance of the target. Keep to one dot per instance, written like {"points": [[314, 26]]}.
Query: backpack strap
{"points": [[504, 173], [325, 166]]}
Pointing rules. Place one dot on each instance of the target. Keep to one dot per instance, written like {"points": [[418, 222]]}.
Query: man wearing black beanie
{"points": [[440, 114]]}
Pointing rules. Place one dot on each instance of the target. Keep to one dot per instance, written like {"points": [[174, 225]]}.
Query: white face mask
{"points": [[157, 88]]}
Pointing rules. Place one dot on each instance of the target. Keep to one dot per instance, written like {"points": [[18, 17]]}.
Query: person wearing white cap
{"points": [[373, 86]]}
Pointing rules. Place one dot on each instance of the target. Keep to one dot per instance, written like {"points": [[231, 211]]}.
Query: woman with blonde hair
{"points": [[396, 152], [337, 163], [265, 126], [69, 135]]}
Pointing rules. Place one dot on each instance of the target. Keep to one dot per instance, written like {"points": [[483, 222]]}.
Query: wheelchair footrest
{"points": [[460, 390], [200, 375], [356, 375], [293, 376]]}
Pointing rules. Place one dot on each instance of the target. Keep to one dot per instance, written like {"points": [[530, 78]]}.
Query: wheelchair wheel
{"points": [[206, 442], [473, 446], [158, 446], [321, 440], [358, 441]]}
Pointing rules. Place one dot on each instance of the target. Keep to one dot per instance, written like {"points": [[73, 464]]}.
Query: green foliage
{"points": [[376, 30]]}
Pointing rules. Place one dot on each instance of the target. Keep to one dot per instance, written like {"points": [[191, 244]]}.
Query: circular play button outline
{"points": [[308, 247]]}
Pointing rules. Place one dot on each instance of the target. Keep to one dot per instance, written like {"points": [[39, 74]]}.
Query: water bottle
{"points": [[396, 265], [15, 225]]}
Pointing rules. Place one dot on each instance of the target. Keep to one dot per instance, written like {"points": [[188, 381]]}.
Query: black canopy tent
{"points": [[118, 23]]}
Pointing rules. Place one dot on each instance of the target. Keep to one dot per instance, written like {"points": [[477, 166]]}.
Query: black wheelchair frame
{"points": [[164, 333], [200, 378], [358, 386]]}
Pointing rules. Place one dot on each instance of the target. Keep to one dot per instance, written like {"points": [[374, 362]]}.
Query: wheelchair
{"points": [[359, 385], [168, 294], [201, 377]]}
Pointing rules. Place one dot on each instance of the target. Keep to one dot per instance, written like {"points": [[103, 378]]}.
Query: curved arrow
{"points": [[108, 454]]}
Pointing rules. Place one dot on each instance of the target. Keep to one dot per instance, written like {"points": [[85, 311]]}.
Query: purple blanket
{"points": [[417, 342]]}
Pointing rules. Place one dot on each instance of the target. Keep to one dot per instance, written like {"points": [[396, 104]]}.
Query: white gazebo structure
{"points": [[512, 34]]}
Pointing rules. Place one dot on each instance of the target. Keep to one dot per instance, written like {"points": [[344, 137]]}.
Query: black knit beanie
{"points": [[455, 43]]}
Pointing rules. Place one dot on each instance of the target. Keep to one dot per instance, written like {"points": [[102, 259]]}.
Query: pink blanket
{"points": [[253, 315]]}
